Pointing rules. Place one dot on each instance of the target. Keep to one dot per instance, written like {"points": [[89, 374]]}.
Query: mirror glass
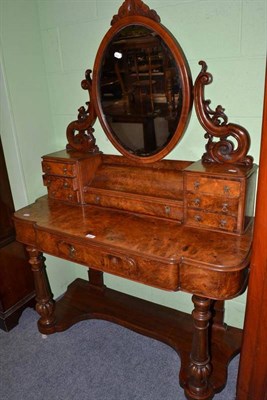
{"points": [[140, 90]]}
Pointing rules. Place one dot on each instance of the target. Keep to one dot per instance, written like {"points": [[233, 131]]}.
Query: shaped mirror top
{"points": [[141, 92], [141, 84]]}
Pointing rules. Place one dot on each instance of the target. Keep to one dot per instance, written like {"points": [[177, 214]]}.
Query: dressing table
{"points": [[170, 224]]}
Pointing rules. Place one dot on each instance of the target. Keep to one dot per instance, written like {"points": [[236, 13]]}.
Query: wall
{"points": [[26, 119], [64, 36]]}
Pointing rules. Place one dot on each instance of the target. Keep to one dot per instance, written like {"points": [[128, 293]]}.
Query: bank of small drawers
{"points": [[213, 203], [61, 180]]}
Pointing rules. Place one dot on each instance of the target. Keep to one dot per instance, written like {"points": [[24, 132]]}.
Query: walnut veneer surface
{"points": [[153, 251], [101, 211], [171, 224]]}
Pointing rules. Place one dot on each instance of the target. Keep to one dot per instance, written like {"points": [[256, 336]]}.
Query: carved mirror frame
{"points": [[226, 142], [142, 16]]}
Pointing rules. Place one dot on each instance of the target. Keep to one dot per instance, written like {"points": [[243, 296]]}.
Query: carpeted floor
{"points": [[93, 360]]}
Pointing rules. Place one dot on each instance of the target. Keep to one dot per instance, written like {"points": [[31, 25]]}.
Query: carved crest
{"points": [[216, 125], [135, 7]]}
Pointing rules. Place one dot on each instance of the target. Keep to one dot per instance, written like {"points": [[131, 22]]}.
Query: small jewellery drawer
{"points": [[62, 188], [204, 219], [61, 169], [213, 186], [210, 203], [137, 268], [60, 183], [66, 195]]}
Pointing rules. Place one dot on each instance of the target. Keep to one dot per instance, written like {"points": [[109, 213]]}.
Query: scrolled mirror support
{"points": [[80, 132], [216, 125], [128, 73]]}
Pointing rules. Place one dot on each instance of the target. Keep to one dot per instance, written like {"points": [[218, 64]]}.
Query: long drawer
{"points": [[148, 205], [151, 272]]}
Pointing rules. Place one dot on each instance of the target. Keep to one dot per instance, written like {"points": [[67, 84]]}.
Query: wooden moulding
{"points": [[252, 377]]}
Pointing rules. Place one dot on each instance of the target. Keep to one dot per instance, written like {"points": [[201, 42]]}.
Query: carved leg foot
{"points": [[44, 300], [197, 385]]}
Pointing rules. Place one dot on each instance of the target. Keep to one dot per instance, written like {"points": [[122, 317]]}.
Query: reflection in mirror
{"points": [[141, 95]]}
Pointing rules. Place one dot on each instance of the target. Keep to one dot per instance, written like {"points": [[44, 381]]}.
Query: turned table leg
{"points": [[44, 300], [197, 385]]}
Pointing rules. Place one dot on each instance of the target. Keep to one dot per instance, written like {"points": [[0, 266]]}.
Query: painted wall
{"points": [[46, 47], [26, 119]]}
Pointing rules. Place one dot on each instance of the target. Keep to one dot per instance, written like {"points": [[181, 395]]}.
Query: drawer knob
{"points": [[225, 207], [198, 218], [196, 185], [167, 210], [196, 202], [114, 260], [65, 170], [72, 251], [47, 168], [126, 265], [223, 223], [226, 189], [65, 185]]}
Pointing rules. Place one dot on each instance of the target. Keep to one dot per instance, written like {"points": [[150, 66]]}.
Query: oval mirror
{"points": [[142, 87]]}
